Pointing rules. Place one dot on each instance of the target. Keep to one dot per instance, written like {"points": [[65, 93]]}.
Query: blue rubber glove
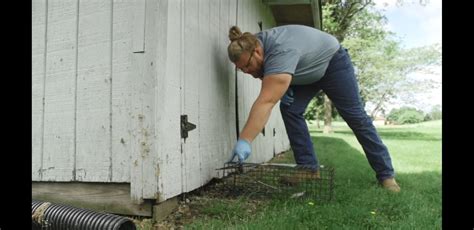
{"points": [[287, 98], [242, 150]]}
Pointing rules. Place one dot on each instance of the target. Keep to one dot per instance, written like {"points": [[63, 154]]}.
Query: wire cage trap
{"points": [[280, 180]]}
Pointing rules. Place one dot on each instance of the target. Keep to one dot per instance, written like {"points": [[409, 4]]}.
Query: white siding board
{"points": [[166, 111], [191, 91], [225, 91], [38, 49], [169, 128], [93, 156], [220, 117], [150, 160], [145, 170], [121, 90], [58, 152], [180, 53], [218, 113], [138, 8], [231, 75], [62, 23], [140, 135], [204, 70], [213, 98]]}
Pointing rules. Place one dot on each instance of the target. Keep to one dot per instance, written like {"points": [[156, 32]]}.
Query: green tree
{"points": [[434, 114], [337, 19], [316, 111], [382, 66], [405, 115]]}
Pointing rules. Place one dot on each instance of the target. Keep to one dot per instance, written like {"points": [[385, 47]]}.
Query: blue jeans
{"points": [[340, 85]]}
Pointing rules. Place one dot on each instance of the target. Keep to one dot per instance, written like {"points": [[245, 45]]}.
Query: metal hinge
{"points": [[186, 126]]}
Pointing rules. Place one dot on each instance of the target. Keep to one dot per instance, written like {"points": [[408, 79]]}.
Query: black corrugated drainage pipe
{"points": [[46, 215]]}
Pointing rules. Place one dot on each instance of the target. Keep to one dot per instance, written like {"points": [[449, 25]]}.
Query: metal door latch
{"points": [[186, 126]]}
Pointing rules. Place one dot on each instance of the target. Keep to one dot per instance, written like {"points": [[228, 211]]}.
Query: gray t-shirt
{"points": [[301, 51]]}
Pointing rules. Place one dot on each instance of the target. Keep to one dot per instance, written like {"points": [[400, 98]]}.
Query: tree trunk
{"points": [[378, 106], [327, 115], [316, 115]]}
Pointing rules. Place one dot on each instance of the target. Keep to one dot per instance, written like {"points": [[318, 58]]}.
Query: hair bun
{"points": [[234, 33]]}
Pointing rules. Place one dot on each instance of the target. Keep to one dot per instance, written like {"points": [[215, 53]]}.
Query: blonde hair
{"points": [[240, 42]]}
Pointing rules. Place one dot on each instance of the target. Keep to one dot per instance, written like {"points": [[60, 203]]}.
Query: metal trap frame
{"points": [[279, 180]]}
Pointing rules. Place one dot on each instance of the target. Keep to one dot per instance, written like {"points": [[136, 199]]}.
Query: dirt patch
{"points": [[207, 202]]}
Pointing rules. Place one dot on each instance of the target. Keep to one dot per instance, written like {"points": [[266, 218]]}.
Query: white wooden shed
{"points": [[113, 82]]}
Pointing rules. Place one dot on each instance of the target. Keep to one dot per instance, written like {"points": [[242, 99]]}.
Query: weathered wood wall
{"points": [[112, 78], [81, 122]]}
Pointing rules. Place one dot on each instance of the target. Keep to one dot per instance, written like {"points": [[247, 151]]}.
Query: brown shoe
{"points": [[390, 184]]}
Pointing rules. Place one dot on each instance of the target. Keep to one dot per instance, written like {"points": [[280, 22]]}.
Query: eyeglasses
{"points": [[248, 62]]}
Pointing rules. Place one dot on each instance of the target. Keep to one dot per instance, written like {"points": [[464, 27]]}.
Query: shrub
{"points": [[410, 117], [405, 115]]}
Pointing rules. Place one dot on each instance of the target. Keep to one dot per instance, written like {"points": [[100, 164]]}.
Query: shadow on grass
{"points": [[394, 135]]}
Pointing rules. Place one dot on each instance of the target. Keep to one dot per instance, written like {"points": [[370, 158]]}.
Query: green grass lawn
{"points": [[359, 202]]}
